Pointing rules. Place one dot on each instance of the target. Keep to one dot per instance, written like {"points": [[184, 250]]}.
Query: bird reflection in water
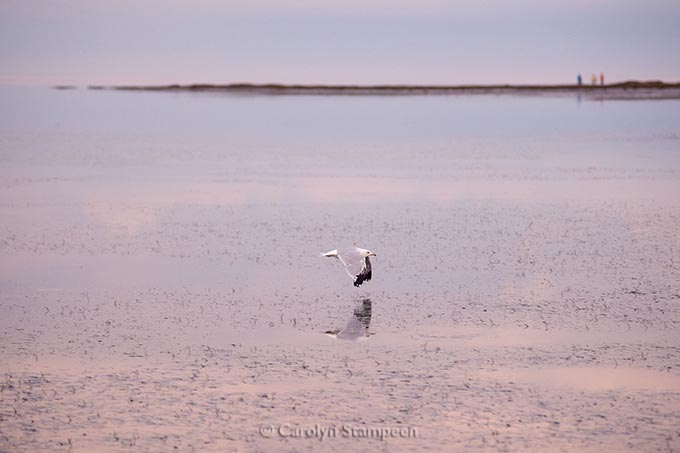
{"points": [[357, 326]]}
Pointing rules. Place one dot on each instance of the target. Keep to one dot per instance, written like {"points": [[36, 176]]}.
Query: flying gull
{"points": [[356, 262]]}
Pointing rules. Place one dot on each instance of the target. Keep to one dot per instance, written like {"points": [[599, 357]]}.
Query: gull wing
{"points": [[357, 266], [365, 274]]}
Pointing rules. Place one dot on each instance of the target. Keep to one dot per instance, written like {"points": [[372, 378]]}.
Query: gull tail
{"points": [[332, 253]]}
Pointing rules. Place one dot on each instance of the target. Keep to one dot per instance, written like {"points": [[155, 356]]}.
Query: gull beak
{"points": [[373, 254]]}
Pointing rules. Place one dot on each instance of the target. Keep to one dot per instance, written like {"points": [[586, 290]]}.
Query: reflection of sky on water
{"points": [[339, 119], [232, 149], [592, 379]]}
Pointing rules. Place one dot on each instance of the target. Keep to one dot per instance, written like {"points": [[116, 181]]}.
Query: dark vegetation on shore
{"points": [[396, 88], [624, 90]]}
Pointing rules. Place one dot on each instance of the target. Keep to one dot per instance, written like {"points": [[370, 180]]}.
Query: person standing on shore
{"points": [[579, 80], [602, 78], [593, 79]]}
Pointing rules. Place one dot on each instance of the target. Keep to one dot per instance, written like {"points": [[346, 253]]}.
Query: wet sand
{"points": [[168, 295]]}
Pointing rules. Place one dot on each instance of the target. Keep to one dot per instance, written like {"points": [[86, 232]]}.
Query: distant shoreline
{"points": [[623, 90]]}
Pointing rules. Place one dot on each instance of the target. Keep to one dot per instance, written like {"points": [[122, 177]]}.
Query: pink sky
{"points": [[351, 41]]}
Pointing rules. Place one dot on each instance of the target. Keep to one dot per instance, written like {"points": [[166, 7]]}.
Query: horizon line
{"points": [[379, 86]]}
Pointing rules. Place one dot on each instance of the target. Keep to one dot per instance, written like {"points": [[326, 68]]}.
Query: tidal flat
{"points": [[161, 286]]}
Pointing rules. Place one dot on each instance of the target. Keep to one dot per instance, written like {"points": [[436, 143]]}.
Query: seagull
{"points": [[356, 262], [357, 326]]}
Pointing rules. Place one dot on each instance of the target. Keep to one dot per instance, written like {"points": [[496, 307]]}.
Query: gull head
{"points": [[365, 252]]}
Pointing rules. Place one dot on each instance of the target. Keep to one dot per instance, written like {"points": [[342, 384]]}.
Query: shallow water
{"points": [[161, 286]]}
